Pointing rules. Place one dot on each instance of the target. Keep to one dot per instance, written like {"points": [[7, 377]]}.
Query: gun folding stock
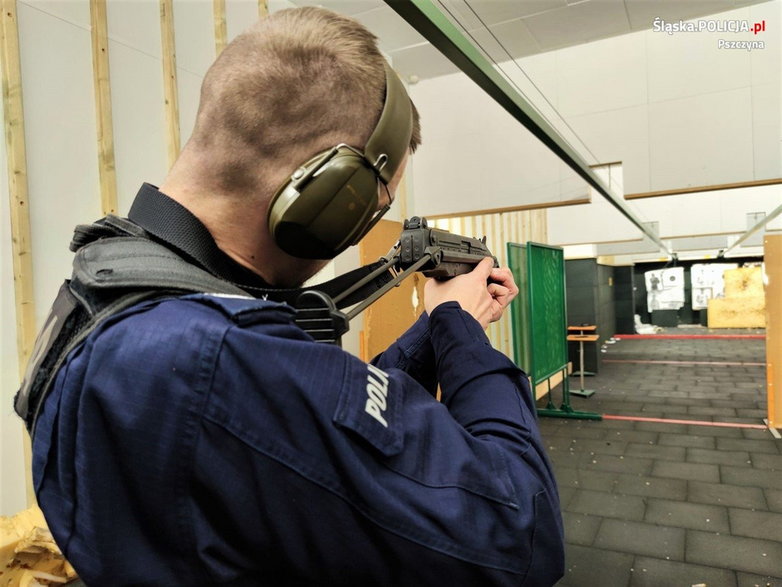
{"points": [[434, 252], [449, 254]]}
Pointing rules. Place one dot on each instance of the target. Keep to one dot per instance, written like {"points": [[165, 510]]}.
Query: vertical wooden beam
{"points": [[263, 8], [221, 28], [169, 79], [16, 157], [17, 184], [772, 249], [100, 75]]}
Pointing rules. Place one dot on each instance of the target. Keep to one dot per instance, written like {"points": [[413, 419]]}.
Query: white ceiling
{"points": [[517, 28]]}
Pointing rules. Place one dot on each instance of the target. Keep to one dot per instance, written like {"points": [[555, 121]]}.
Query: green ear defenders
{"points": [[331, 201]]}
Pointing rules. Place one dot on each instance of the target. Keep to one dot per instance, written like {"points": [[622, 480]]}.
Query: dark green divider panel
{"points": [[539, 320], [519, 308], [548, 332]]}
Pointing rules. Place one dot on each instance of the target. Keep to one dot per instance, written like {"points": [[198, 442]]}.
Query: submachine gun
{"points": [[434, 252]]}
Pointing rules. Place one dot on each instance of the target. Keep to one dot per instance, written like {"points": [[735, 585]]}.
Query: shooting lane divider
{"points": [[689, 336], [687, 363], [688, 422]]}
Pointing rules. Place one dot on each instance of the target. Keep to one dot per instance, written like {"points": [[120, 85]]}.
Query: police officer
{"points": [[204, 439]]}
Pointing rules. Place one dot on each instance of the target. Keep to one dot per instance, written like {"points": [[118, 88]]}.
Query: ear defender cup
{"points": [[331, 200], [322, 217]]}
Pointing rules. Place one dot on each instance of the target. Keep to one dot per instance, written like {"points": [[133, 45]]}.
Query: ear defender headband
{"points": [[330, 202]]}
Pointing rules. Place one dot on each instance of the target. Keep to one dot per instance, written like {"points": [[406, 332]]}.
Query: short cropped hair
{"points": [[298, 82]]}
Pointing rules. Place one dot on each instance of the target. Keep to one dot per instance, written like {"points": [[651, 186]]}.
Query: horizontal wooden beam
{"points": [[704, 188], [519, 208]]}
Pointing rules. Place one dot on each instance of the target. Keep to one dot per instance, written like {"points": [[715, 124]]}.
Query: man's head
{"points": [[297, 83]]}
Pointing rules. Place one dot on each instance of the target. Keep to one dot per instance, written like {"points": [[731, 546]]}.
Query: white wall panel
{"points": [[476, 156], [139, 125], [135, 23], [688, 64], [766, 63], [602, 76], [239, 15], [766, 127], [595, 222], [701, 140], [12, 484], [620, 135], [76, 13], [537, 78], [696, 214], [194, 34], [61, 143]]}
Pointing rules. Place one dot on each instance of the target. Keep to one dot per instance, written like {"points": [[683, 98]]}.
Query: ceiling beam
{"points": [[443, 35]]}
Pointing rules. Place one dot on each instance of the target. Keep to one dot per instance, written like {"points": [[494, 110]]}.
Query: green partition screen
{"points": [[546, 286], [539, 319], [519, 308]]}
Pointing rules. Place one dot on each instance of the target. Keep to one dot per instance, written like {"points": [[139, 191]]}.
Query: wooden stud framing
{"points": [[169, 79], [221, 28], [100, 73], [19, 204], [773, 283], [17, 184]]}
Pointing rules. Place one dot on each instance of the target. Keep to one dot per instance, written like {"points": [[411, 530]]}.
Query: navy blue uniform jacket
{"points": [[206, 440]]}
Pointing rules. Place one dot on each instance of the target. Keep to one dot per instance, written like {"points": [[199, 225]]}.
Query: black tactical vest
{"points": [[117, 265]]}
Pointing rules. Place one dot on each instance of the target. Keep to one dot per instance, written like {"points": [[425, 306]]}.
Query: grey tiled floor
{"points": [[661, 504]]}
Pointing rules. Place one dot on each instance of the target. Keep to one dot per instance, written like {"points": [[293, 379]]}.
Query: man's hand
{"points": [[483, 302], [503, 290]]}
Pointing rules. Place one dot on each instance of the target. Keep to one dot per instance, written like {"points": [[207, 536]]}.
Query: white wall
{"points": [[56, 63], [62, 160], [475, 156], [12, 487], [676, 110], [719, 212]]}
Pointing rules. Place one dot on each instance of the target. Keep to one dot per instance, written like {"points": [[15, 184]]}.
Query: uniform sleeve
{"points": [[337, 464], [412, 353]]}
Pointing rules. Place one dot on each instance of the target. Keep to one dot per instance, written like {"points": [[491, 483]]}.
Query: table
{"points": [[581, 339]]}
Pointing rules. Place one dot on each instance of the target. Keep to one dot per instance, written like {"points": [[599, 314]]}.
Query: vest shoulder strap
{"points": [[109, 275]]}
